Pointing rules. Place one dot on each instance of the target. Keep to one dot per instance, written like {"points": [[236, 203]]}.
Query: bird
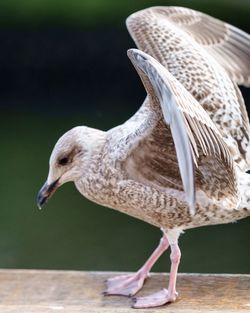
{"points": [[180, 161]]}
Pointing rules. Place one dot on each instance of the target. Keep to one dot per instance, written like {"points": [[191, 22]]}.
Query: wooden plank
{"points": [[33, 291]]}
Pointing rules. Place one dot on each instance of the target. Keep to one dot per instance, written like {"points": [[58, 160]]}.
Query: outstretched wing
{"points": [[164, 155], [191, 45], [229, 45]]}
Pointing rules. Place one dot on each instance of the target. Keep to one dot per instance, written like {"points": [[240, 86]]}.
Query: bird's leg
{"points": [[165, 295], [128, 285], [175, 261]]}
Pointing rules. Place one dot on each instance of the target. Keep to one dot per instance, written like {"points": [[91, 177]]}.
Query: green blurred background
{"points": [[62, 64]]}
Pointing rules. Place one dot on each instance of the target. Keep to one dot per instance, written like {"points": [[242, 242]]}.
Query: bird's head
{"points": [[69, 160]]}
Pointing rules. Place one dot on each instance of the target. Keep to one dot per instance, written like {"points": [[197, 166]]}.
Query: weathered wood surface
{"points": [[32, 291]]}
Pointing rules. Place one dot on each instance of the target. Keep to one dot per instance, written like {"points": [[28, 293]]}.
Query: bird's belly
{"points": [[160, 209]]}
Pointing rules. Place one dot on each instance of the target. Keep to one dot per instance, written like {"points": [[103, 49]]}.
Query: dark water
{"points": [[73, 233]]}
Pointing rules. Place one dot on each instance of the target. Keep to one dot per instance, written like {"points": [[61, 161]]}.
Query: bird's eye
{"points": [[63, 161]]}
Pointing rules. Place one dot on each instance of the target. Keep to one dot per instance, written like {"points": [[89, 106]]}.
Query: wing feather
{"points": [[192, 46], [192, 130], [229, 45]]}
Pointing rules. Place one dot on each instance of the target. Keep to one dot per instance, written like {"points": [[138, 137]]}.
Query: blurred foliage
{"points": [[94, 12]]}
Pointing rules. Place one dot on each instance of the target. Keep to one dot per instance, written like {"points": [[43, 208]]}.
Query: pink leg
{"points": [[165, 295], [175, 261], [128, 285]]}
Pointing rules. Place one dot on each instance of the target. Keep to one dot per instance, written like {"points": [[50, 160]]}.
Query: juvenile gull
{"points": [[147, 166]]}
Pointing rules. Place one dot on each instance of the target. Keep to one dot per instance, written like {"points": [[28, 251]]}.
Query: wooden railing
{"points": [[39, 291]]}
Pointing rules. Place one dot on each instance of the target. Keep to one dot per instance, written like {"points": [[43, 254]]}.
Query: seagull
{"points": [[179, 162]]}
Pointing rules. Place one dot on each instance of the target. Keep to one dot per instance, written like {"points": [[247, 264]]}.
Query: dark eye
{"points": [[63, 161]]}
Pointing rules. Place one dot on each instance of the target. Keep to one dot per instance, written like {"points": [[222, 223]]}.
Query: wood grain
{"points": [[40, 291]]}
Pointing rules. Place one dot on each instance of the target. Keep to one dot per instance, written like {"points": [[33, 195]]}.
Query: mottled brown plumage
{"points": [[179, 161], [208, 57]]}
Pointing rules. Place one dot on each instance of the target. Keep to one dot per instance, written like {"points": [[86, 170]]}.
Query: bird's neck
{"points": [[94, 146], [98, 139]]}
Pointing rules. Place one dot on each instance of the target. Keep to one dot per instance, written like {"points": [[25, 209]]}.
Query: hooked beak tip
{"points": [[45, 193], [41, 197]]}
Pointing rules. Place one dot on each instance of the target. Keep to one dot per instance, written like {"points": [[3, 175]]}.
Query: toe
{"points": [[154, 300], [127, 285]]}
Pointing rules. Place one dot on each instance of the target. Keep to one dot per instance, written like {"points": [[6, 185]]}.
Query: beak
{"points": [[46, 192]]}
